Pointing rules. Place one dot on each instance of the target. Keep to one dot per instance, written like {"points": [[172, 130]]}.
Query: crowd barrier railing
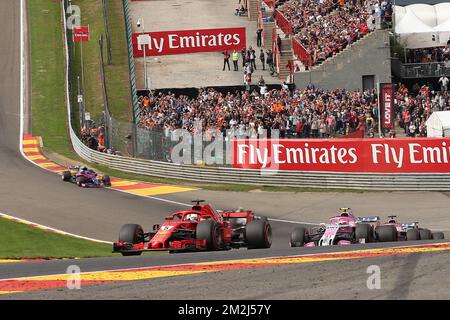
{"points": [[282, 22], [301, 52]]}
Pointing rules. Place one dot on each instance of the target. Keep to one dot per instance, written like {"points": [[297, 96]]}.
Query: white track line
{"points": [[46, 228]]}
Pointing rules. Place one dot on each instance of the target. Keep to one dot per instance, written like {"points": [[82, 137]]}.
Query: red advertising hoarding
{"points": [[188, 41], [345, 155], [387, 105], [81, 34]]}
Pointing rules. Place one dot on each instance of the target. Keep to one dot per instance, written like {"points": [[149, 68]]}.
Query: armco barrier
{"points": [[367, 181]]}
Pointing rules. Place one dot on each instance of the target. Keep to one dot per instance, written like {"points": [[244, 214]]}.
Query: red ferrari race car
{"points": [[86, 178], [393, 230], [198, 229]]}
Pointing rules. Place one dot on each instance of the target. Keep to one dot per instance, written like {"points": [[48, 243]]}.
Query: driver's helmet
{"points": [[191, 217], [344, 212], [392, 221], [83, 169]]}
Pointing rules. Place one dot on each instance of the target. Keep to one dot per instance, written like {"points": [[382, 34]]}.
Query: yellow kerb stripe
{"points": [[36, 157], [158, 190], [121, 276], [29, 142], [47, 164], [123, 183], [8, 260]]}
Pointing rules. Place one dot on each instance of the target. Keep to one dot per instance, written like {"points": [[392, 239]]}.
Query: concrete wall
{"points": [[368, 56]]}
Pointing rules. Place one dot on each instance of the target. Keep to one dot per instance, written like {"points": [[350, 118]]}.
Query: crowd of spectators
{"points": [[298, 113], [325, 27], [307, 113], [302, 14], [425, 55], [415, 105], [94, 137]]}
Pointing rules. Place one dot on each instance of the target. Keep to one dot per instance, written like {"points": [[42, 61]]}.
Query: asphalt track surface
{"points": [[34, 194]]}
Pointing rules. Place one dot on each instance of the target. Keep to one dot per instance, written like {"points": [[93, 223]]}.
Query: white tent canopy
{"points": [[404, 26], [419, 24], [438, 124]]}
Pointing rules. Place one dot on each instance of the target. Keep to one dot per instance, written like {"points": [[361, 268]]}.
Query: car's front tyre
{"points": [[131, 233]]}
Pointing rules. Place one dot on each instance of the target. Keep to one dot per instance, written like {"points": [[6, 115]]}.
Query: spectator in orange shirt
{"points": [[146, 102], [101, 143]]}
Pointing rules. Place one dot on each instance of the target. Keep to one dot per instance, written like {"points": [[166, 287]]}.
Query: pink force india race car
{"points": [[200, 228], [345, 228]]}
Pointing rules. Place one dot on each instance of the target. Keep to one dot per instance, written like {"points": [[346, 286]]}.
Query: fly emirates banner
{"points": [[188, 41], [345, 155]]}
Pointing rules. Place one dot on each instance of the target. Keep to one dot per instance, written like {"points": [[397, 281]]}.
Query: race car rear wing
{"points": [[369, 219], [410, 225]]}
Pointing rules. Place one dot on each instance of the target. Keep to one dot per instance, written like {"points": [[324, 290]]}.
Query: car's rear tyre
{"points": [[437, 235], [258, 234], [131, 233], [364, 231], [299, 237], [386, 233], [66, 176], [80, 181], [412, 234], [209, 231], [425, 234], [106, 181]]}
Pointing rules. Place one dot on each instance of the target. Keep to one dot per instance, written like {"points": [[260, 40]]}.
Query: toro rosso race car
{"points": [[342, 229], [198, 229], [85, 177], [346, 228], [393, 230]]}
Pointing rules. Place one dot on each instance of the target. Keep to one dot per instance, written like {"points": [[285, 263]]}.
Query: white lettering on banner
{"points": [[433, 155], [176, 42], [380, 155], [277, 151], [304, 155], [413, 151], [161, 44], [237, 39], [187, 42], [387, 108], [260, 158], [172, 39], [390, 153], [227, 39], [146, 41]]}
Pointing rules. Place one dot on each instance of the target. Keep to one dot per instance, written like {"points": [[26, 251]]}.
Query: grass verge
{"points": [[21, 241], [47, 74]]}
